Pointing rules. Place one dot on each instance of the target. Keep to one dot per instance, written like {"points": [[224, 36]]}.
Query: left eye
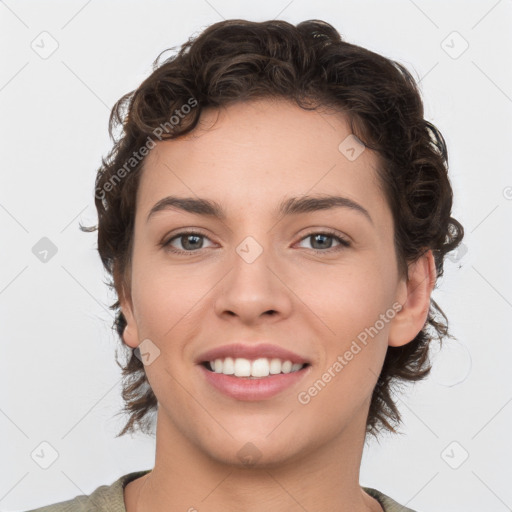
{"points": [[322, 239]]}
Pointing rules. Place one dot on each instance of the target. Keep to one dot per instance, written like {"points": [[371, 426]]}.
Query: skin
{"points": [[250, 156]]}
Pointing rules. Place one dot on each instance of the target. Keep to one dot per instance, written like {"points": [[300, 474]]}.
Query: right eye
{"points": [[189, 240]]}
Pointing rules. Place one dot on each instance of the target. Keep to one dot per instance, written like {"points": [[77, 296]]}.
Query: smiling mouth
{"points": [[253, 369]]}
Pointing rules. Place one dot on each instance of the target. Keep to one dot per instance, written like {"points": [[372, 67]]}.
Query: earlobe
{"points": [[415, 299], [130, 333]]}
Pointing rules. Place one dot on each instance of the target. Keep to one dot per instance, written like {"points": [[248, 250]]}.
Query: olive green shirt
{"points": [[110, 498]]}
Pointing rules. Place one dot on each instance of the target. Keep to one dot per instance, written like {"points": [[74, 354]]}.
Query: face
{"points": [[320, 283]]}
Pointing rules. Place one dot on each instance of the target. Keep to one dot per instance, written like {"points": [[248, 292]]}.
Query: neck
{"points": [[184, 478]]}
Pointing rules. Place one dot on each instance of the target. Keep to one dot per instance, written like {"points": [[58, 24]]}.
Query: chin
{"points": [[256, 452]]}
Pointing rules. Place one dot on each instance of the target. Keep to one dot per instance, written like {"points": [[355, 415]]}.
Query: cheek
{"points": [[348, 300], [355, 307], [169, 304], [163, 298]]}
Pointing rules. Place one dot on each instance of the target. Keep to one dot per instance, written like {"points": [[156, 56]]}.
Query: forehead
{"points": [[254, 154]]}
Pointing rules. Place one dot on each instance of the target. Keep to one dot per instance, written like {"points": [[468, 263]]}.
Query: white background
{"points": [[60, 383]]}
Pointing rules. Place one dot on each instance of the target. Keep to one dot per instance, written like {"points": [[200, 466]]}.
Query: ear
{"points": [[414, 295], [130, 333]]}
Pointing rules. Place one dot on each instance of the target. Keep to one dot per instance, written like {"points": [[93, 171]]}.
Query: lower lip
{"points": [[243, 388]]}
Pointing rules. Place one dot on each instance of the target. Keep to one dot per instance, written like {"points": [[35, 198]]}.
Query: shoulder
{"points": [[107, 498], [387, 503], [110, 498]]}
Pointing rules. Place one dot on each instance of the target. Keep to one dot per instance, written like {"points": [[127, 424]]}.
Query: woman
{"points": [[274, 213]]}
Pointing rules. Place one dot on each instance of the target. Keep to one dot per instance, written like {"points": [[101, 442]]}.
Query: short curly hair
{"points": [[311, 65]]}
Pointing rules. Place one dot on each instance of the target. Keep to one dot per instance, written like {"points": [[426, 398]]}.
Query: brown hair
{"points": [[237, 60]]}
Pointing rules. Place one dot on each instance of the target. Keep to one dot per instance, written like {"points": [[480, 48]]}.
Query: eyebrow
{"points": [[289, 206]]}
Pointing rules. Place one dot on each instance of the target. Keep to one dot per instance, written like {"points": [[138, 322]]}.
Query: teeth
{"points": [[275, 366], [286, 367], [228, 366], [262, 367], [218, 364], [242, 367]]}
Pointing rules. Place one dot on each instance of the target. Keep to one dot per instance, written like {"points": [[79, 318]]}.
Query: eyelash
{"points": [[343, 242]]}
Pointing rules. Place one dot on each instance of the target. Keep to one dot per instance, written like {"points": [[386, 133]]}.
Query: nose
{"points": [[255, 289]]}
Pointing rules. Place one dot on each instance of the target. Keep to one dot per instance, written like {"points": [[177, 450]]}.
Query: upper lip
{"points": [[250, 352]]}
